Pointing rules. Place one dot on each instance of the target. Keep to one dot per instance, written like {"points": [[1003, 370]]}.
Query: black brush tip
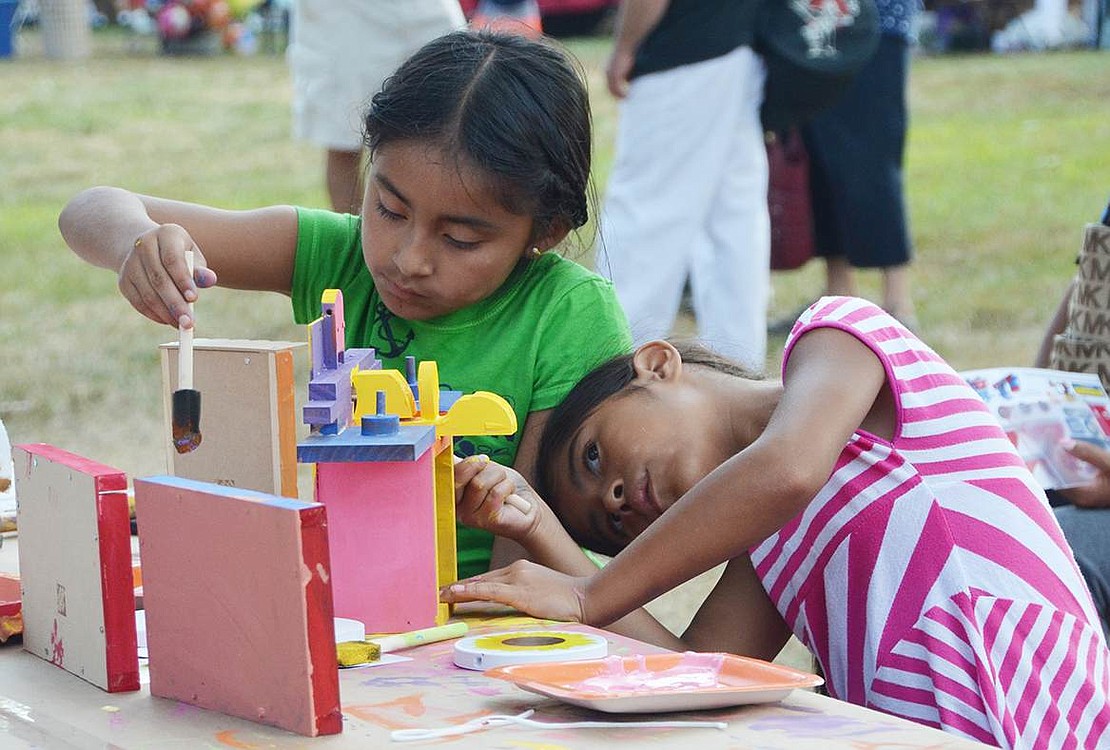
{"points": [[186, 420]]}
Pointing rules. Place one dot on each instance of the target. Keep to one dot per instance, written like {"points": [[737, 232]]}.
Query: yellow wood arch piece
{"points": [[478, 413], [398, 395]]}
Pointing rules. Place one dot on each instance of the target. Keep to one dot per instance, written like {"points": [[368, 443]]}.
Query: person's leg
{"points": [[731, 278], [343, 176], [896, 294], [1087, 531], [840, 278], [339, 55], [656, 196]]}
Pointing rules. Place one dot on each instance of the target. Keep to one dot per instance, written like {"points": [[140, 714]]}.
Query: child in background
{"points": [[480, 161], [868, 503]]}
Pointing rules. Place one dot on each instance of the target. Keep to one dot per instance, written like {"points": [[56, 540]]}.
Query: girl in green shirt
{"points": [[479, 163]]}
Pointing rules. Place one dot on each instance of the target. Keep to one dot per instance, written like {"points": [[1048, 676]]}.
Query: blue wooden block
{"points": [[409, 443], [237, 493], [447, 399]]}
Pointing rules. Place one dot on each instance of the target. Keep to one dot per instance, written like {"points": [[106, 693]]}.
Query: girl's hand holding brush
{"points": [[156, 280]]}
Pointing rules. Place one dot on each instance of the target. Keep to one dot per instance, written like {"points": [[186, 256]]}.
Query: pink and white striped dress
{"points": [[929, 576]]}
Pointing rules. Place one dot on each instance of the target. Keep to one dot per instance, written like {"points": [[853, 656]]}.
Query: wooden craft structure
{"points": [[238, 603], [11, 607], [385, 471], [78, 600], [250, 418]]}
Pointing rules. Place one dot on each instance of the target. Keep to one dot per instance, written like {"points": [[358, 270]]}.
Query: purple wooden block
{"points": [[316, 344], [325, 387], [318, 413], [363, 359], [334, 343]]}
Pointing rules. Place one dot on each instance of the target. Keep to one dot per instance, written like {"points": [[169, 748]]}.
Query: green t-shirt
{"points": [[549, 324]]}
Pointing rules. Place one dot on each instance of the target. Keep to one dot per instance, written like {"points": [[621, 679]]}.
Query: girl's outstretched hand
{"points": [[495, 498], [155, 280], [525, 586]]}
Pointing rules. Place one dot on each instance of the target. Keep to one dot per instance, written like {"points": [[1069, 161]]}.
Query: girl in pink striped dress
{"points": [[869, 504]]}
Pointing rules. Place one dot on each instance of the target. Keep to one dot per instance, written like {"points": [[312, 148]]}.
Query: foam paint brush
{"points": [[186, 400], [354, 653]]}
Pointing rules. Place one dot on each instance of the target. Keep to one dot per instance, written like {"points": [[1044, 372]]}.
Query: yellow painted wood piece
{"points": [[427, 383], [398, 395], [474, 414], [479, 413]]}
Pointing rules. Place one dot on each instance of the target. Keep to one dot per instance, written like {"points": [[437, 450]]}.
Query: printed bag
{"points": [[812, 50], [1084, 346]]}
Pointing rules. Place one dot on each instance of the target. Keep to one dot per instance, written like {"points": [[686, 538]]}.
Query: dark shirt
{"points": [[691, 31]]}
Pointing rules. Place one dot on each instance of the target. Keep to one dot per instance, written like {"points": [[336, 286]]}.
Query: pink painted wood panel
{"points": [[237, 589]]}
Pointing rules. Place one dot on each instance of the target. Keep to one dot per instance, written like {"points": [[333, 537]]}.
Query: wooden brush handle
{"points": [[185, 339]]}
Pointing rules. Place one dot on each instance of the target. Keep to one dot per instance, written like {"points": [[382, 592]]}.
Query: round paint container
{"points": [[528, 647]]}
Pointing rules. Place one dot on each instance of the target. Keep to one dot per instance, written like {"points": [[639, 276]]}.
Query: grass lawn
{"points": [[1007, 160]]}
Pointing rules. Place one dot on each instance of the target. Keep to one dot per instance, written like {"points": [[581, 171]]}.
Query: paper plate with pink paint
{"points": [[659, 682]]}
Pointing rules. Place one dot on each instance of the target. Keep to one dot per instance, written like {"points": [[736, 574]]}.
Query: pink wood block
{"points": [[10, 598], [237, 591], [11, 619], [383, 541], [75, 566]]}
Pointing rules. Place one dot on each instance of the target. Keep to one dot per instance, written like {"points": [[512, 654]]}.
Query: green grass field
{"points": [[1007, 160]]}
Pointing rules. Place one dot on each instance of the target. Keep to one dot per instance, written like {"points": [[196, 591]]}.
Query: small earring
{"points": [[536, 252]]}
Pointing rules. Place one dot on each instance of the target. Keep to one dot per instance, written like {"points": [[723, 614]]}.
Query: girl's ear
{"points": [[552, 237], [657, 360]]}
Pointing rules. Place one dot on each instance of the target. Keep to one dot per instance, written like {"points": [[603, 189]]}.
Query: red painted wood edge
{"points": [[320, 617]]}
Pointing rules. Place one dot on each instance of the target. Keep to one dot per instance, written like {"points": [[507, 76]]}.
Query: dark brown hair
{"points": [[516, 108], [609, 380]]}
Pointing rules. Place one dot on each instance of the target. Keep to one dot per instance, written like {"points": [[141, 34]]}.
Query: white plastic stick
{"points": [[523, 720], [519, 503], [185, 339]]}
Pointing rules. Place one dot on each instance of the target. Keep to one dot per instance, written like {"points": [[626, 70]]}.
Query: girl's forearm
{"points": [[551, 546], [707, 527], [100, 225]]}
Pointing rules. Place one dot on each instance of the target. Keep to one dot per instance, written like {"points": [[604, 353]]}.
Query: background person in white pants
{"points": [[340, 52], [687, 195]]}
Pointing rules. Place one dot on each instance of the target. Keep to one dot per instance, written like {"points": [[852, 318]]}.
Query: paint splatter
{"points": [[57, 647], [227, 737], [382, 713]]}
